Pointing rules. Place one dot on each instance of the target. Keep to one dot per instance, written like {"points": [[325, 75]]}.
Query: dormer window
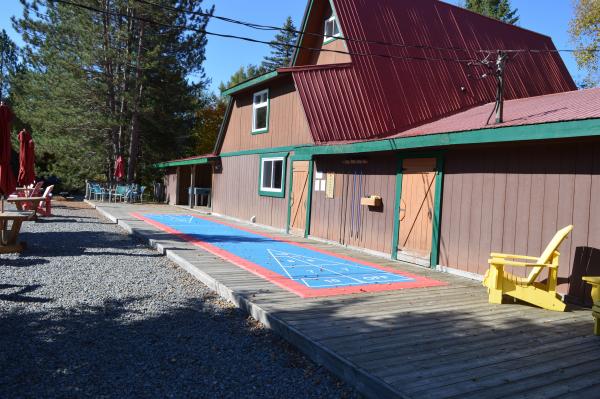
{"points": [[260, 112], [331, 30]]}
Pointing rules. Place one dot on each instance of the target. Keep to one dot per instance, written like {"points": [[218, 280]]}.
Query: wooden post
{"points": [[192, 185], [177, 184]]}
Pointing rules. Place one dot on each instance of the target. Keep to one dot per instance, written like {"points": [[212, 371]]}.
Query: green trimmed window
{"points": [[272, 176], [260, 112], [331, 29]]}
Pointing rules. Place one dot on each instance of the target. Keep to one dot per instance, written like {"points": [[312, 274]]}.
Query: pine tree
{"points": [[282, 51], [498, 9], [282, 47], [585, 33], [243, 74], [100, 85], [9, 60]]}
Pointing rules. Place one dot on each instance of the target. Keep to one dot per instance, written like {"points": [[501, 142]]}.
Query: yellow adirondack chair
{"points": [[594, 281], [527, 289]]}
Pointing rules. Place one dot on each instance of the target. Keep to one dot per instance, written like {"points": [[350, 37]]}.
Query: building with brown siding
{"points": [[376, 137]]}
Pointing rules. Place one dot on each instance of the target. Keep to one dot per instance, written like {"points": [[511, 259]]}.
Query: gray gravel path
{"points": [[87, 311]]}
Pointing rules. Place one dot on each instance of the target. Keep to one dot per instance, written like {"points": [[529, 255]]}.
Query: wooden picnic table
{"points": [[8, 238], [20, 201]]}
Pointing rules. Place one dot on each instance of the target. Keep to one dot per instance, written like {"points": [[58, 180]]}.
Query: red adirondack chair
{"points": [[42, 205]]}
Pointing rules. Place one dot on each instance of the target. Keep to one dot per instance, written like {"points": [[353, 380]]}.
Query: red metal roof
{"points": [[560, 107], [377, 97]]}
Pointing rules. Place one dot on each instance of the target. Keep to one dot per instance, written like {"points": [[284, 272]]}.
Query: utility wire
{"points": [[252, 40], [348, 39], [298, 32]]}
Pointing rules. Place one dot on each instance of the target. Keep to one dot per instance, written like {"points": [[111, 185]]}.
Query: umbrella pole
{"points": [[2, 223]]}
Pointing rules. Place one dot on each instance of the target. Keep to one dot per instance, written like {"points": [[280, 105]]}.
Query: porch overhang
{"points": [[201, 160]]}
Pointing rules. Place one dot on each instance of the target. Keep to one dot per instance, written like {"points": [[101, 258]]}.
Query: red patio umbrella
{"points": [[7, 178], [119, 168], [26, 159]]}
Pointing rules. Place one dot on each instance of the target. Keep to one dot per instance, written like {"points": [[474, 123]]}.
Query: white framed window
{"points": [[260, 112], [331, 29], [272, 176]]}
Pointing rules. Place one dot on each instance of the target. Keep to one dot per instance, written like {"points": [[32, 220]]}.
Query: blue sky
{"points": [[225, 56]]}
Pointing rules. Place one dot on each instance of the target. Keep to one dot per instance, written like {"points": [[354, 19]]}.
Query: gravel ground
{"points": [[88, 311]]}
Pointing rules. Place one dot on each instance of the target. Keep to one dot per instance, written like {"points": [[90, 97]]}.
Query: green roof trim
{"points": [[268, 150], [301, 36], [543, 131], [249, 83], [184, 162], [223, 126]]}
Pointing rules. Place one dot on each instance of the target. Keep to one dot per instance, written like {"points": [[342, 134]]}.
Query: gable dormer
{"points": [[323, 32], [426, 71]]}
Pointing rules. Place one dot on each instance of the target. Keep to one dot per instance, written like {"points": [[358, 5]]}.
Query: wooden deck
{"points": [[436, 342]]}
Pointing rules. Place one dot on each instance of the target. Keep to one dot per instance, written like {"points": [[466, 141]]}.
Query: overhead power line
{"points": [[348, 39], [253, 40], [298, 32]]}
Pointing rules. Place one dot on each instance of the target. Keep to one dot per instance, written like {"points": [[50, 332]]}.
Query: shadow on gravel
{"points": [[67, 220], [111, 351], [23, 262], [124, 349], [19, 294], [73, 243]]}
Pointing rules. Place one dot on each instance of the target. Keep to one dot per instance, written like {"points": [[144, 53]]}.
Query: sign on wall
{"points": [[330, 185]]}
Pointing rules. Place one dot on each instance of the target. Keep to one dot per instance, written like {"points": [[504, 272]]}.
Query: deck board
{"points": [[432, 342]]}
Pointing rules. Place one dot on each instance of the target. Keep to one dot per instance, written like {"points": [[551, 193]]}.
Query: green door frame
{"points": [[437, 203], [308, 194]]}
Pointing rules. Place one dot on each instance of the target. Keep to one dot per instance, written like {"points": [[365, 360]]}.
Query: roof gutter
{"points": [[314, 67], [249, 83], [509, 134], [185, 162]]}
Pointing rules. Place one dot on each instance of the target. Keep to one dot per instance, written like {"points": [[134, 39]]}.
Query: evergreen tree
{"points": [[243, 74], [9, 60], [282, 47], [282, 51], [498, 9], [585, 32], [100, 85]]}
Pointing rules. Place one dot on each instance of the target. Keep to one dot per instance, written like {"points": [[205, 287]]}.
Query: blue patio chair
{"points": [[97, 191], [138, 193], [131, 193], [120, 193]]}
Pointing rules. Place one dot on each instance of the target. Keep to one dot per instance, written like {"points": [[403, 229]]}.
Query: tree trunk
{"points": [[113, 133], [134, 143]]}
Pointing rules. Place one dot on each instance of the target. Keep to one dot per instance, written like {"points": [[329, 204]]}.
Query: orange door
{"points": [[299, 197], [416, 207]]}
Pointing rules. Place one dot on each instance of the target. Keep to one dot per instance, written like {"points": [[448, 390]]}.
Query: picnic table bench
{"points": [[8, 238]]}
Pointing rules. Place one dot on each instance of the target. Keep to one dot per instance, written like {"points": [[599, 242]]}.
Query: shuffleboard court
{"points": [[299, 268]]}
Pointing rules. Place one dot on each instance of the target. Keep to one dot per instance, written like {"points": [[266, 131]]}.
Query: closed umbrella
{"points": [[7, 178], [119, 168], [26, 159]]}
